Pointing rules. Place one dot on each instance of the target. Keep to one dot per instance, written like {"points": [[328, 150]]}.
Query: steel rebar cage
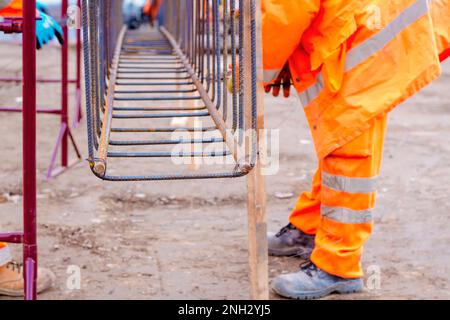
{"points": [[201, 63]]}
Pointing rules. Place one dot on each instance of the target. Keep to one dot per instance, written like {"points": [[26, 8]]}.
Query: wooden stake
{"points": [[257, 219]]}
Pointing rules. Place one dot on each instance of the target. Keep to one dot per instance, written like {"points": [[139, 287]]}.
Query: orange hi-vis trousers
{"points": [[5, 254], [339, 208]]}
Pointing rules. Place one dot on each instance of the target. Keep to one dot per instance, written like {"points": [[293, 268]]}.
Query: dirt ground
{"points": [[170, 240]]}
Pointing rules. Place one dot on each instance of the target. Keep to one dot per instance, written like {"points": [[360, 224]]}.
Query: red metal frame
{"points": [[28, 237], [62, 143], [11, 25]]}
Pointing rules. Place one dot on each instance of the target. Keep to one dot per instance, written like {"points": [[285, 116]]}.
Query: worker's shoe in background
{"points": [[313, 283], [290, 241], [12, 284]]}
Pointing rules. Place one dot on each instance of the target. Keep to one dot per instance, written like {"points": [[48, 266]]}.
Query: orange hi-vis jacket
{"points": [[12, 9], [354, 60]]}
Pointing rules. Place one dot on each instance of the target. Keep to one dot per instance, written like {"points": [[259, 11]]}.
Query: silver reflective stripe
{"points": [[312, 92], [347, 216], [350, 185], [377, 42], [271, 75]]}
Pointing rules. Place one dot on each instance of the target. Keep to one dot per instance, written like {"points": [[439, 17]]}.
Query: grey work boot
{"points": [[290, 241], [313, 283]]}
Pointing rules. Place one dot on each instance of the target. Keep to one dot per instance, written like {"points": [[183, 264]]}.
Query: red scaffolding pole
{"points": [[65, 137], [28, 237], [29, 149], [27, 26]]}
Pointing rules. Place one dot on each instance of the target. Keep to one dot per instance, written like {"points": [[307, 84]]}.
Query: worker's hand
{"points": [[283, 80], [47, 29]]}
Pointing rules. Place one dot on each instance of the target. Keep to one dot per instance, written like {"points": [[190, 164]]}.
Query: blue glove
{"points": [[47, 29]]}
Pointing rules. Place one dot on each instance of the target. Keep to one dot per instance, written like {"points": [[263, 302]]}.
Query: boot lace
{"points": [[309, 268], [14, 266]]}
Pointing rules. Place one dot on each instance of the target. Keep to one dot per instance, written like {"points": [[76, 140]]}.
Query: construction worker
{"points": [[46, 27], [351, 62], [11, 273], [152, 9]]}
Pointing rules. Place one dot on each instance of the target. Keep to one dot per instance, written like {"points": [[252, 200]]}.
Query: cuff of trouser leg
{"points": [[336, 266], [301, 227], [5, 256]]}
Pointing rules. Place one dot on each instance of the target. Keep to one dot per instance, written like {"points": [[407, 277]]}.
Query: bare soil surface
{"points": [[170, 240]]}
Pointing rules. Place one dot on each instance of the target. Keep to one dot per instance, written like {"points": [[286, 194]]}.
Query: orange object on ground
{"points": [[351, 63], [12, 280]]}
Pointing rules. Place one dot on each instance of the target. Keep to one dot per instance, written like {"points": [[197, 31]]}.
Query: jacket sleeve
{"points": [[12, 8], [283, 25], [15, 4]]}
